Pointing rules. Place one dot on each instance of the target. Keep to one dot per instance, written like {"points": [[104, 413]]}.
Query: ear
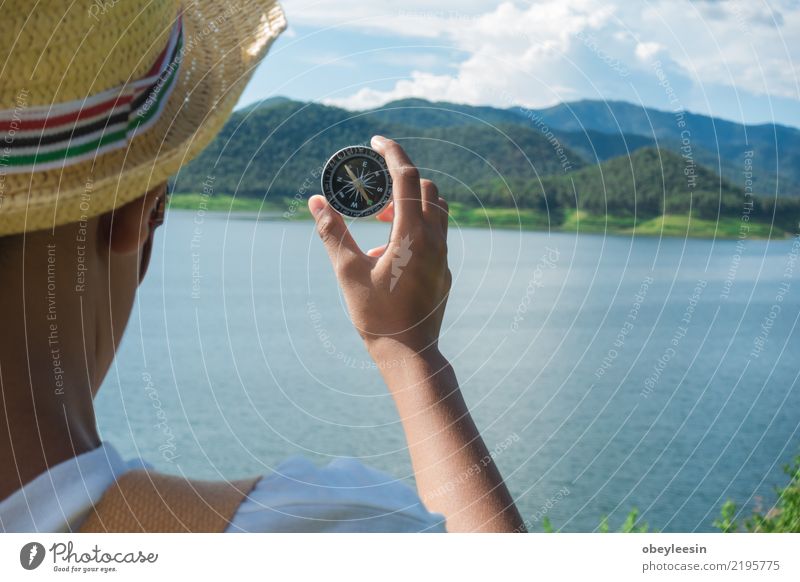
{"points": [[127, 227]]}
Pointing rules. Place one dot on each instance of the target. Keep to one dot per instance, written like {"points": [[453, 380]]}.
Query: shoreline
{"points": [[576, 222]]}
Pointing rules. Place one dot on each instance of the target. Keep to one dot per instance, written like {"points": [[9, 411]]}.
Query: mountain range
{"points": [[597, 156]]}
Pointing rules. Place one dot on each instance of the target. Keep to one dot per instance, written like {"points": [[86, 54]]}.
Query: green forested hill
{"points": [[647, 183], [486, 157], [271, 151], [600, 130], [717, 143]]}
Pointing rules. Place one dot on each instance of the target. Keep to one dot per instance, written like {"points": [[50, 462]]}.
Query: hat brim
{"points": [[223, 45]]}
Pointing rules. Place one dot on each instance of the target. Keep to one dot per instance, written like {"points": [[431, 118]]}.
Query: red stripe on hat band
{"points": [[44, 123]]}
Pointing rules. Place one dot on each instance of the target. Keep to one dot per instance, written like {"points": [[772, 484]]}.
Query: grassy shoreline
{"points": [[672, 225]]}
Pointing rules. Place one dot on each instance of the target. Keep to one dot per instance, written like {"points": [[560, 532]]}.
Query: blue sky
{"points": [[736, 59]]}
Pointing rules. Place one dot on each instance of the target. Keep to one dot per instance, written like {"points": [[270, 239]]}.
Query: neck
{"points": [[38, 432], [47, 367]]}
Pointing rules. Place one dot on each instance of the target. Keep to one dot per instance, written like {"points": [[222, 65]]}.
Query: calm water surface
{"points": [[605, 372]]}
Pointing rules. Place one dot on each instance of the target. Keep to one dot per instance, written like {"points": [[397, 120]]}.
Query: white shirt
{"points": [[343, 496]]}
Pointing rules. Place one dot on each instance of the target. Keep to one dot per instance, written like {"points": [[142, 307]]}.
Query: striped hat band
{"points": [[59, 135]]}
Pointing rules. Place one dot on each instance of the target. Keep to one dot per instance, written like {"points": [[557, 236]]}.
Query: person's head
{"points": [[100, 103]]}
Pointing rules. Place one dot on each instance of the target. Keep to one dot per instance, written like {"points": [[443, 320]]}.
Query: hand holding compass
{"points": [[394, 318], [396, 297]]}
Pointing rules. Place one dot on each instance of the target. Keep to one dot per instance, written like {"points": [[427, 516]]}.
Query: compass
{"points": [[356, 181]]}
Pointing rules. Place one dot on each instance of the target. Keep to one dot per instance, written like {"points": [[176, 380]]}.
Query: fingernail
{"points": [[316, 204], [379, 139]]}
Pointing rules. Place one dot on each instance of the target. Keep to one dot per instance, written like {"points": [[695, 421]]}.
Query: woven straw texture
{"points": [[48, 56], [147, 502]]}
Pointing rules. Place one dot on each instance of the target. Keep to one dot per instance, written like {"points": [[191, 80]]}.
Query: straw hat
{"points": [[101, 100]]}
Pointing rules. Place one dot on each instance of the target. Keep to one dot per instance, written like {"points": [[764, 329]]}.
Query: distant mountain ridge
{"points": [[716, 143], [272, 150], [594, 156]]}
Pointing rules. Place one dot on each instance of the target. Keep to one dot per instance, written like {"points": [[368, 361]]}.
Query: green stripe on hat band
{"points": [[68, 152]]}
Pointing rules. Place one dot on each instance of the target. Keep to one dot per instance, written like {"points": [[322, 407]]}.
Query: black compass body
{"points": [[356, 181]]}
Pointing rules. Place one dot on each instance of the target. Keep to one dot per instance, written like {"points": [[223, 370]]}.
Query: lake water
{"points": [[606, 372]]}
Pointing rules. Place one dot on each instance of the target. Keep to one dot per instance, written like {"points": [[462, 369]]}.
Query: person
{"points": [[91, 137]]}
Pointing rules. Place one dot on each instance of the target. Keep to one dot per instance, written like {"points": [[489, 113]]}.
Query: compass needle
{"points": [[356, 181], [357, 184]]}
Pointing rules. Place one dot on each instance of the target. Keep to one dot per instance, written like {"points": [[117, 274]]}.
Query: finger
{"points": [[444, 214], [430, 199], [338, 241], [377, 251], [387, 214], [405, 182]]}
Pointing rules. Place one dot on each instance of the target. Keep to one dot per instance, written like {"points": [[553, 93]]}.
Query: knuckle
{"points": [[410, 173], [326, 227], [429, 186]]}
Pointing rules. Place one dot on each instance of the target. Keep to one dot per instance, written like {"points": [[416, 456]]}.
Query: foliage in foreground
{"points": [[784, 516]]}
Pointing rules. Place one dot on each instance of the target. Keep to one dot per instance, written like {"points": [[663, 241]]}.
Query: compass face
{"points": [[356, 181]]}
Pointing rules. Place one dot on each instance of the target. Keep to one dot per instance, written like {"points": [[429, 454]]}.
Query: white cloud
{"points": [[738, 44], [540, 53], [645, 51]]}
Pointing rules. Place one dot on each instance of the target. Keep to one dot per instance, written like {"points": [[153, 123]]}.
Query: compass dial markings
{"points": [[356, 181]]}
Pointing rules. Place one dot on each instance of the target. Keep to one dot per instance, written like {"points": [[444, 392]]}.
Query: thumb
{"points": [[333, 231]]}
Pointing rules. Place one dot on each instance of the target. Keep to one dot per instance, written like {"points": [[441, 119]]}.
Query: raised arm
{"points": [[396, 296]]}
